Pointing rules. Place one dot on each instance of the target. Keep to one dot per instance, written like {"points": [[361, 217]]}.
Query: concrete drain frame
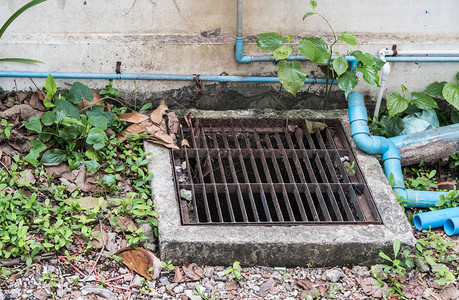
{"points": [[274, 244]]}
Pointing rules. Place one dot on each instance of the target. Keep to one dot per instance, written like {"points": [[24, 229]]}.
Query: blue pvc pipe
{"points": [[444, 133], [435, 218], [452, 226], [422, 58], [127, 76], [389, 152]]}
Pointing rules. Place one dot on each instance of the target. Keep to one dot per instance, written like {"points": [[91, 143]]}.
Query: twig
{"points": [[16, 261], [1, 162], [100, 253], [34, 84]]}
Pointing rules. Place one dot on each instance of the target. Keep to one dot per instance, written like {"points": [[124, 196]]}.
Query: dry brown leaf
{"points": [[58, 170], [157, 115], [232, 285], [141, 261], [156, 133], [133, 129], [96, 101], [190, 274], [266, 287], [185, 143], [178, 277], [133, 117], [99, 242], [188, 119], [161, 142], [23, 111], [36, 103], [123, 224], [310, 288], [173, 122]]}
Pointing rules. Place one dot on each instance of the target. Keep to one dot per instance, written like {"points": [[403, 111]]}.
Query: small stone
{"points": [[102, 292], [137, 282], [218, 278], [161, 290], [334, 275], [347, 294], [150, 246], [361, 271], [14, 293], [123, 270], [277, 277], [220, 274], [423, 266], [178, 289], [191, 296], [266, 276], [171, 286], [151, 285], [164, 281], [221, 286]]}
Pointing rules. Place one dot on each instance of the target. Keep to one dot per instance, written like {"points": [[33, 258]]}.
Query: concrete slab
{"points": [[288, 246]]}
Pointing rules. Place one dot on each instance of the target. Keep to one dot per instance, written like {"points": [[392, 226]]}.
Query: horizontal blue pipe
{"points": [[452, 226], [73, 75], [422, 58], [389, 152], [435, 218], [444, 133]]}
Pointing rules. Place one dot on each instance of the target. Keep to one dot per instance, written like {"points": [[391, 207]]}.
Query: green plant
{"points": [[423, 181], [334, 288], [8, 23], [454, 161], [315, 49], [53, 280], [234, 271], [444, 275], [5, 129], [201, 292], [397, 266], [448, 91], [168, 265], [450, 200], [349, 167], [75, 135]]}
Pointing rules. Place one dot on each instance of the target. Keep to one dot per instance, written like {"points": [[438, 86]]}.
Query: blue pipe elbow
{"points": [[436, 218], [240, 52], [452, 226]]}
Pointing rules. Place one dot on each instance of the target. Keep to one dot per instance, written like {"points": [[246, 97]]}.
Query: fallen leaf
{"points": [[371, 288], [90, 202], [266, 286], [185, 143], [313, 126], [23, 111], [27, 176], [232, 285], [310, 288], [190, 274], [86, 103], [173, 122], [178, 277], [156, 133], [188, 119], [123, 224], [133, 129], [141, 261], [292, 128], [99, 242], [58, 170], [133, 117], [157, 115], [36, 103]]}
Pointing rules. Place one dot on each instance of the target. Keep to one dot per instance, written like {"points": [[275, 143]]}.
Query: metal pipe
{"points": [[390, 155], [127, 76], [239, 18], [435, 218]]}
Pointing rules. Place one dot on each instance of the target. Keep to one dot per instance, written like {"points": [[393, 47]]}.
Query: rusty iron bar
{"points": [[270, 171]]}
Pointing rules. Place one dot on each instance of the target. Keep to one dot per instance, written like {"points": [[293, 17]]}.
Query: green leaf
{"points": [[91, 154], [91, 165], [99, 122], [49, 118], [347, 82], [96, 138], [98, 111], [37, 148], [46, 134], [34, 124], [18, 13], [308, 14], [78, 92], [313, 4], [145, 106], [340, 65], [71, 110], [383, 255], [394, 126], [53, 156], [282, 52], [109, 179], [50, 86], [21, 60], [435, 89], [379, 63], [348, 38], [314, 49], [396, 104], [370, 75], [455, 117], [289, 37], [365, 58], [422, 101], [291, 76], [451, 94], [396, 246], [270, 41], [69, 133], [404, 89], [430, 261]]}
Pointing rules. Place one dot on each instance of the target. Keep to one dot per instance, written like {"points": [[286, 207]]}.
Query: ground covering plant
{"points": [[40, 213], [8, 23], [317, 50]]}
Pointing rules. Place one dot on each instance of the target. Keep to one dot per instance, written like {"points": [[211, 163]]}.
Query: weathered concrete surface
{"points": [[277, 245]]}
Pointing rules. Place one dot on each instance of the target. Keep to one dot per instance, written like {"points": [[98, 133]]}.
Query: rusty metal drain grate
{"points": [[269, 171]]}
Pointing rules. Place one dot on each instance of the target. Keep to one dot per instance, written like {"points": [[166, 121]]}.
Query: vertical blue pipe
{"points": [[389, 152]]}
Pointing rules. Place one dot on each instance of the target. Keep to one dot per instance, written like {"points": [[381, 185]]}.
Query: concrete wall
{"points": [[151, 36]]}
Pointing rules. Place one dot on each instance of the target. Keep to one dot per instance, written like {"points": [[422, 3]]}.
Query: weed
{"points": [[203, 293], [349, 167], [168, 265], [398, 266], [5, 129], [234, 271], [423, 181]]}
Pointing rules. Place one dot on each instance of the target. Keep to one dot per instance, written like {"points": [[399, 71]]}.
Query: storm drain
{"points": [[269, 171]]}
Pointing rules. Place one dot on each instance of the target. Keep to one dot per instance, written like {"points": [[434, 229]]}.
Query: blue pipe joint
{"points": [[434, 219], [452, 226], [422, 198], [240, 58]]}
